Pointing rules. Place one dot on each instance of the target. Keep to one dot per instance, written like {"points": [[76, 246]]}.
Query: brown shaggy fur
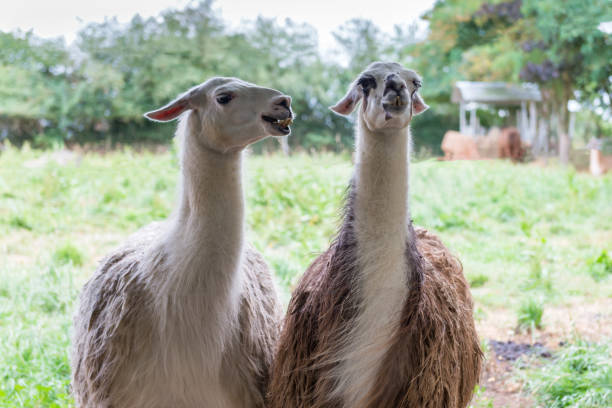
{"points": [[509, 144], [433, 361]]}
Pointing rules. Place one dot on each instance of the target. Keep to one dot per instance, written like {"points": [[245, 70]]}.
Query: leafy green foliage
{"points": [[98, 91], [556, 44], [123, 70], [569, 37], [50, 95], [580, 375]]}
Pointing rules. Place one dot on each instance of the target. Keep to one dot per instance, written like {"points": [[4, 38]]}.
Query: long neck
{"points": [[206, 235], [382, 211], [381, 227], [211, 199]]}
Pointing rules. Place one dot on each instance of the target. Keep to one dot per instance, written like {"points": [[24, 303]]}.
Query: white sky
{"points": [[54, 18]]}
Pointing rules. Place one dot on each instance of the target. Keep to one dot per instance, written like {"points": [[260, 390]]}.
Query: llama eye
{"points": [[417, 84], [367, 82], [224, 99]]}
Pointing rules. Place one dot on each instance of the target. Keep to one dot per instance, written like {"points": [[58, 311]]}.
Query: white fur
{"points": [[382, 216], [205, 247], [175, 326]]}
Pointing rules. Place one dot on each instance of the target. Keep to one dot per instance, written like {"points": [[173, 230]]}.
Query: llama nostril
{"points": [[284, 101], [394, 86], [394, 83]]}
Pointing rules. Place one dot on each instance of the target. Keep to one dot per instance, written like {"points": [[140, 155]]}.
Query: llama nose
{"points": [[396, 93], [283, 100], [394, 83]]}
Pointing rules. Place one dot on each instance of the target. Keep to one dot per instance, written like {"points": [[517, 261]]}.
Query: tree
{"points": [[568, 55], [554, 43], [32, 71], [361, 42]]}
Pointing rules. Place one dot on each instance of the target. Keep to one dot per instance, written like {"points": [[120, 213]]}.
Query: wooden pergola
{"points": [[474, 95]]}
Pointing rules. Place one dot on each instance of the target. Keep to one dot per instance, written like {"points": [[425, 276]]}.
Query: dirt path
{"points": [[591, 321]]}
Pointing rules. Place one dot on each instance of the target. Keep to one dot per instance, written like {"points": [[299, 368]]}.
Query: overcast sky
{"points": [[53, 18]]}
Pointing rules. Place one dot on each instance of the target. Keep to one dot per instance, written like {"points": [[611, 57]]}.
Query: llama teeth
{"points": [[285, 122]]}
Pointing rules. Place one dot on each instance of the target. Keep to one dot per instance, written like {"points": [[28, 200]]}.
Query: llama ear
{"points": [[418, 104], [171, 111], [347, 104]]}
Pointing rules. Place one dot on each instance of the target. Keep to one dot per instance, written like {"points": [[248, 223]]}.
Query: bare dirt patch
{"points": [[501, 386], [590, 321]]}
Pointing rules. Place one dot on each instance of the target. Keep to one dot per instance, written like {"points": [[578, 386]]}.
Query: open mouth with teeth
{"points": [[282, 125], [395, 106]]}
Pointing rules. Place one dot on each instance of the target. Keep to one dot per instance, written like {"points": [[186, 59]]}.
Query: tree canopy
{"points": [[98, 88]]}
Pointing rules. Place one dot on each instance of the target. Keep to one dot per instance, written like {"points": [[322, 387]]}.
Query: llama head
{"points": [[229, 113], [388, 95]]}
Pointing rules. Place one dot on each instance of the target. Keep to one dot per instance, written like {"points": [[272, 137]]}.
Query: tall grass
{"points": [[57, 221]]}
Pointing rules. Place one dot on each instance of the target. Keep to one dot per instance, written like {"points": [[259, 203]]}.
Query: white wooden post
{"points": [[533, 121], [542, 138], [473, 122], [523, 124], [462, 124]]}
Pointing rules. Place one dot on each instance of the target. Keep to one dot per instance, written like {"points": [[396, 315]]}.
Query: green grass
{"points": [[478, 280], [600, 266], [580, 375], [520, 231], [68, 254], [530, 315]]}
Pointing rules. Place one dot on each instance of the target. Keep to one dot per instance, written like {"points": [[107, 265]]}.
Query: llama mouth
{"points": [[393, 111], [394, 105], [279, 124]]}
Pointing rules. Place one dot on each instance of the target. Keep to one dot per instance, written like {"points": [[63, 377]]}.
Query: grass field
{"points": [[536, 245]]}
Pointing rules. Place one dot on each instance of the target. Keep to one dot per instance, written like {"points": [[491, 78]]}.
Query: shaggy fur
{"points": [[437, 321], [509, 144], [117, 329], [319, 312], [185, 314], [384, 317]]}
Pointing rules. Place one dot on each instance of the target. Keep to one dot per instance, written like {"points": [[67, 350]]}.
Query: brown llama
{"points": [[509, 145], [383, 318]]}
